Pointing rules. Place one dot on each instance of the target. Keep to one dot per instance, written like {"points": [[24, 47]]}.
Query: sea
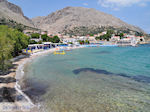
{"points": [[97, 79]]}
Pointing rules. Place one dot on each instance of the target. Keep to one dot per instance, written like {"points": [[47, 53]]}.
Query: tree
{"points": [[33, 42], [45, 37], [19, 40], [110, 32], [12, 42], [106, 36], [121, 35], [87, 42], [138, 34], [70, 43], [55, 39], [97, 38], [40, 42], [35, 35], [81, 41], [6, 46]]}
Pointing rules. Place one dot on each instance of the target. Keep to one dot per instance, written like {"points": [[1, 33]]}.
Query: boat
{"points": [[60, 52]]}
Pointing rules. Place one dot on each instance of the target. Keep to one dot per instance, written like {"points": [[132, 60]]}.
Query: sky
{"points": [[135, 12]]}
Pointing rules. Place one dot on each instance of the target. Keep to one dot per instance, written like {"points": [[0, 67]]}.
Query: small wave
{"points": [[19, 75]]}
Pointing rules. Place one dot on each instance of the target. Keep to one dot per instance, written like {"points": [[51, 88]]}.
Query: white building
{"points": [[82, 38], [140, 39], [70, 40], [92, 40], [105, 32], [115, 38]]}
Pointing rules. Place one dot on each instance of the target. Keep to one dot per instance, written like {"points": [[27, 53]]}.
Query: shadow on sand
{"points": [[7, 94], [13, 66], [7, 80]]}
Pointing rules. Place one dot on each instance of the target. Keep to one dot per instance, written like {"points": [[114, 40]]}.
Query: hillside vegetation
{"points": [[15, 25], [12, 42], [83, 31]]}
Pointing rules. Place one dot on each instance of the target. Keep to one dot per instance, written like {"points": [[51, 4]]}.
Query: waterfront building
{"points": [[83, 38], [115, 38], [92, 40], [33, 48], [70, 40], [37, 39]]}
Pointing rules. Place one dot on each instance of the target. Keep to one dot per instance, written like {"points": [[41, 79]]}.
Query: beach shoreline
{"points": [[18, 74], [60, 81]]}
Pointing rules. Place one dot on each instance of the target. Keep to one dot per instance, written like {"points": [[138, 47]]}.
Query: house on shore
{"points": [[115, 38], [127, 40], [70, 40]]}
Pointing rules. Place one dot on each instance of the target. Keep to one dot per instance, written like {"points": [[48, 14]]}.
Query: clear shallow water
{"points": [[111, 79]]}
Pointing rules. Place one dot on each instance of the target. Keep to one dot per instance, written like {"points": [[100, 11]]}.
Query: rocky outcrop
{"points": [[13, 12]]}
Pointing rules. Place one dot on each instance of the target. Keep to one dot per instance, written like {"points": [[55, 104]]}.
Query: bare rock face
{"points": [[71, 17], [13, 12]]}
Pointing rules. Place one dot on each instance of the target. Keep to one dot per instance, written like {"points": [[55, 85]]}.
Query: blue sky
{"points": [[136, 12]]}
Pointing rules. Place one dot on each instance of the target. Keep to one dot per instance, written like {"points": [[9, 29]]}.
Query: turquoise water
{"points": [[103, 79]]}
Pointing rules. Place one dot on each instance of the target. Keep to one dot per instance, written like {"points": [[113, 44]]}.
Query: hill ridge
{"points": [[13, 12], [71, 17]]}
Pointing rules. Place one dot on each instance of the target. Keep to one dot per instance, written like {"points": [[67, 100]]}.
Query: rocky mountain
{"points": [[13, 12], [73, 18]]}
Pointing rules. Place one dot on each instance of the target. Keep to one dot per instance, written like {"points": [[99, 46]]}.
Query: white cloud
{"points": [[122, 3], [85, 4]]}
